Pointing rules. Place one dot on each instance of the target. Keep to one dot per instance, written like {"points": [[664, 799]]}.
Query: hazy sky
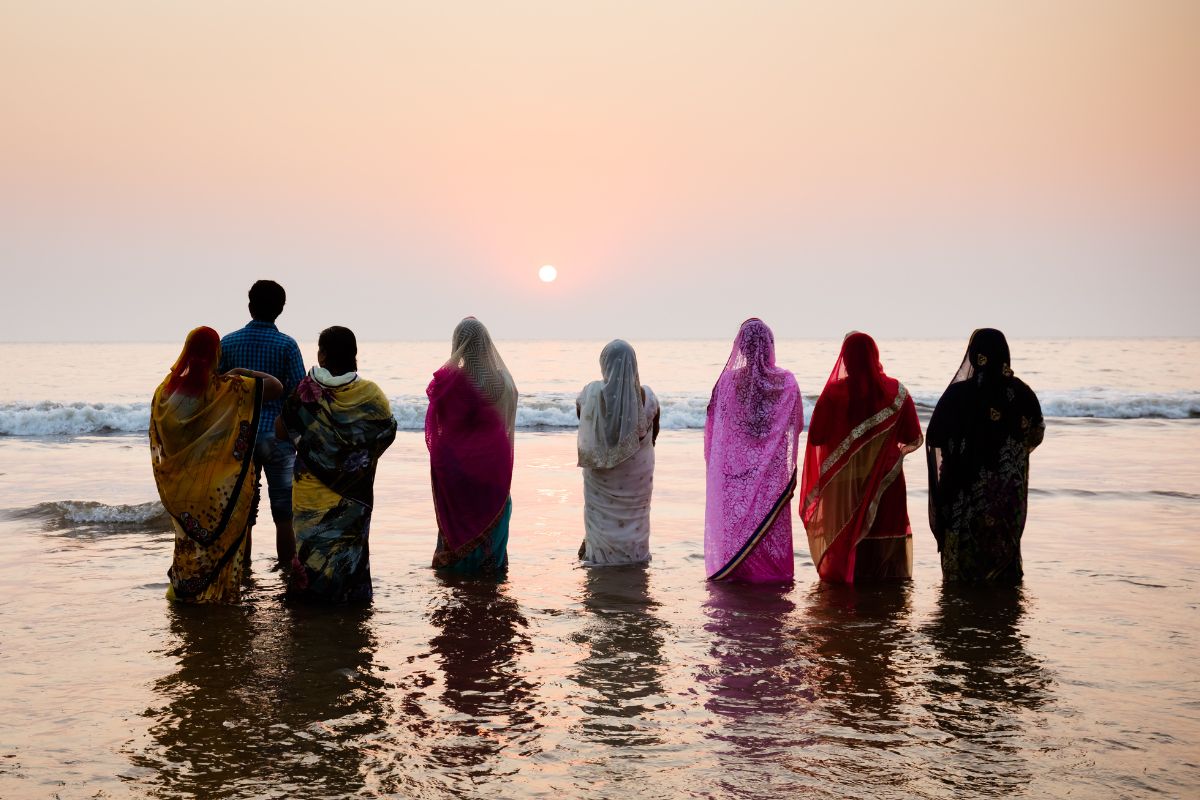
{"points": [[905, 168]]}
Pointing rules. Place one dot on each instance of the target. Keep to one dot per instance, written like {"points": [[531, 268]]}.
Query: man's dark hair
{"points": [[266, 300], [340, 349]]}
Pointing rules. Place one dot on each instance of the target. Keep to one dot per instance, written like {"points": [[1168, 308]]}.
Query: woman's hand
{"points": [[272, 388]]}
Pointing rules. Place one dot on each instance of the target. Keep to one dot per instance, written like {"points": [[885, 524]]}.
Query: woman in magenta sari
{"points": [[853, 500], [755, 417], [469, 432]]}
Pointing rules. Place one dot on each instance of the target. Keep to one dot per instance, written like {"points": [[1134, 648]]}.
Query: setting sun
{"points": [[548, 273]]}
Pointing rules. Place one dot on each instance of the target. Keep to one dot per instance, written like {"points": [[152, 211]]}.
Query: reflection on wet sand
{"points": [[860, 643], [759, 686], [624, 663], [621, 675], [492, 725], [985, 688], [859, 636], [271, 701]]}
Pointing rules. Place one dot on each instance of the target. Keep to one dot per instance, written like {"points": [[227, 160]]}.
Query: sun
{"points": [[548, 273]]}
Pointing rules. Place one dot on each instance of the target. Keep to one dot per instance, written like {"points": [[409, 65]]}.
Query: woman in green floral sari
{"points": [[341, 424]]}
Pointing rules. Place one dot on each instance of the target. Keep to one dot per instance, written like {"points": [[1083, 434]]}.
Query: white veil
{"points": [[612, 414]]}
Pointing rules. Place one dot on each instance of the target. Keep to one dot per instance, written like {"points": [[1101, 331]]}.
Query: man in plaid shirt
{"points": [[260, 346]]}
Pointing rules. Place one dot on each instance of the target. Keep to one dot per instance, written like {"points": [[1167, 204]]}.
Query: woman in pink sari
{"points": [[853, 499], [754, 421], [469, 431]]}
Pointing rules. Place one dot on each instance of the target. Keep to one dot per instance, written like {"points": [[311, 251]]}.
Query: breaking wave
{"points": [[552, 411], [63, 513]]}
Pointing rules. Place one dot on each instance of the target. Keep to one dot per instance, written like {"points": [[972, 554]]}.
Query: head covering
{"points": [[984, 400], [857, 440], [755, 416], [612, 414], [473, 352], [859, 367], [987, 355], [197, 363], [752, 392]]}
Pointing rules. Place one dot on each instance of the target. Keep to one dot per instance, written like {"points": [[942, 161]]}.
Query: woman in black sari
{"points": [[977, 444]]}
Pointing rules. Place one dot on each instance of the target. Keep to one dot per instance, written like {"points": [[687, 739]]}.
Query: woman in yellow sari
{"points": [[202, 431]]}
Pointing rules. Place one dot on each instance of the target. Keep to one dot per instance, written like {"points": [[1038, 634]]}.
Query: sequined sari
{"points": [[755, 416]]}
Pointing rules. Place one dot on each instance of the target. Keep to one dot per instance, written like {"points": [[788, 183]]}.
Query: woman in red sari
{"points": [[853, 498]]}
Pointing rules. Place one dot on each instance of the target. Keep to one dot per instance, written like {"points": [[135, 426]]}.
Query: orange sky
{"points": [[688, 163]]}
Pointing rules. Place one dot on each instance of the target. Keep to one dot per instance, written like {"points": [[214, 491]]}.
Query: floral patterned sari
{"points": [[978, 444], [340, 425], [202, 432], [755, 416]]}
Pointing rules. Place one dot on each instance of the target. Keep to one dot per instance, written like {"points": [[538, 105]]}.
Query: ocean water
{"points": [[638, 682]]}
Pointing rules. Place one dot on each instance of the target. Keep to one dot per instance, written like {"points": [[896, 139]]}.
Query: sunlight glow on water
{"points": [[639, 682]]}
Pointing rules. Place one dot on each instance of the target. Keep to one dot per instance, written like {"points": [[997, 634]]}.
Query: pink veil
{"points": [[755, 417]]}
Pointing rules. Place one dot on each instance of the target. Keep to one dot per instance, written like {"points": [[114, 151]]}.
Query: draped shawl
{"points": [[755, 416], [340, 428], [977, 452], [858, 436], [469, 428], [202, 433]]}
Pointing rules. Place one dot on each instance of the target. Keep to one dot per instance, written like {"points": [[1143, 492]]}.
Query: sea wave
{"points": [[555, 411], [72, 419], [62, 513], [1103, 404]]}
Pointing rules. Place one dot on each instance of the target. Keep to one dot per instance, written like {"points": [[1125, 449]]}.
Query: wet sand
{"points": [[639, 682]]}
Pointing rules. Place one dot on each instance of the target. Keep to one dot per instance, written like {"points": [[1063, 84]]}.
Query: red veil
{"points": [[862, 427], [197, 362]]}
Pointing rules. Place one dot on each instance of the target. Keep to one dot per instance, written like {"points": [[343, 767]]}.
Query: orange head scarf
{"points": [[197, 363]]}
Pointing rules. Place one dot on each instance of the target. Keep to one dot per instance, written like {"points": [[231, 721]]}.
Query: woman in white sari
{"points": [[618, 425]]}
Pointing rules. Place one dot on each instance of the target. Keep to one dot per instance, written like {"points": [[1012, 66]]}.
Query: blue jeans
{"points": [[277, 459]]}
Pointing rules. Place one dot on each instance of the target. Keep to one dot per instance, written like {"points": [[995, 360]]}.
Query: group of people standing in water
{"points": [[231, 410]]}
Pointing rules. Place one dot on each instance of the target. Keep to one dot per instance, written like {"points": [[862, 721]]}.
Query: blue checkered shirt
{"points": [[260, 346]]}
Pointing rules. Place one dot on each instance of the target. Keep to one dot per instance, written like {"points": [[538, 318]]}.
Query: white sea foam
{"points": [[72, 419], [551, 411], [1152, 406], [88, 512], [1105, 404]]}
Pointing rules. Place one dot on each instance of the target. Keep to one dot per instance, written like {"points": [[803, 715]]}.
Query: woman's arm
{"points": [[657, 418], [272, 388]]}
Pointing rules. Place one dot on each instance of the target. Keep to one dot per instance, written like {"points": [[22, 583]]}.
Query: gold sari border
{"points": [[863, 427], [446, 558]]}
